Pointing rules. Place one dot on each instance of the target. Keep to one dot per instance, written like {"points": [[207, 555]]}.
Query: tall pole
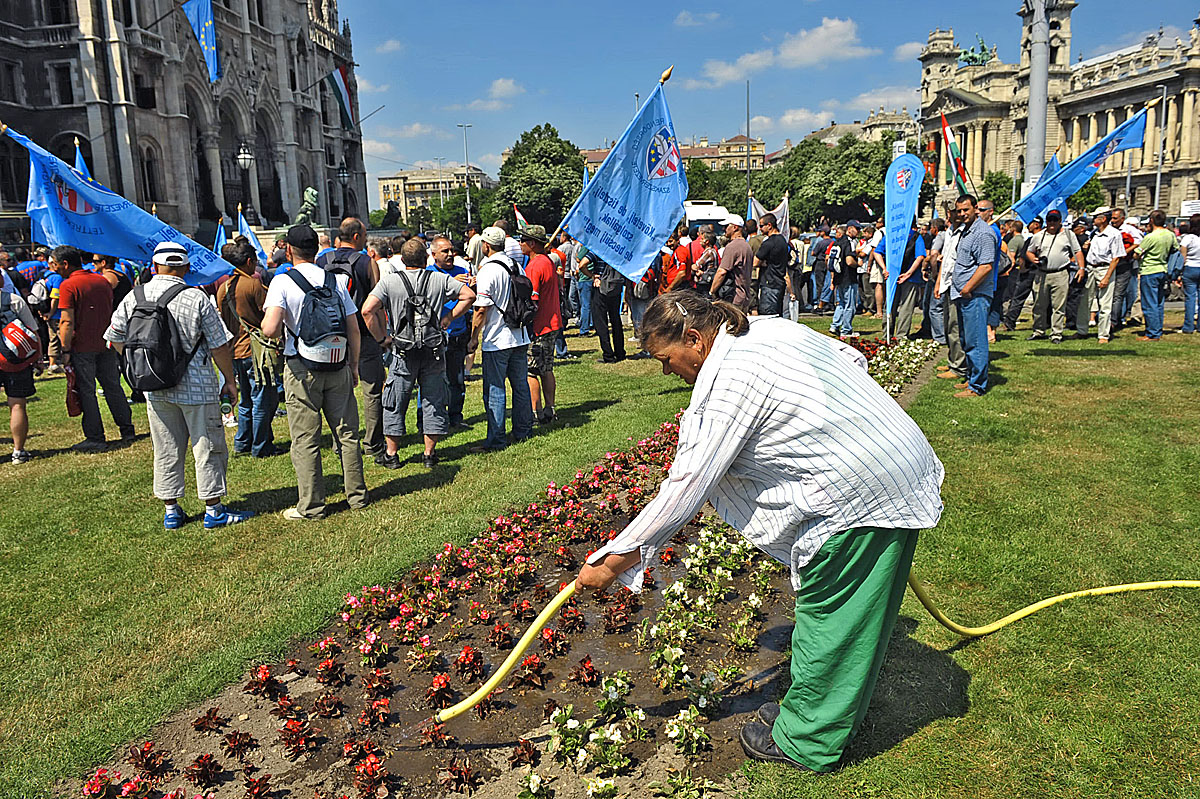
{"points": [[1162, 144], [467, 168], [1128, 181], [747, 144], [637, 102], [441, 197], [1039, 81]]}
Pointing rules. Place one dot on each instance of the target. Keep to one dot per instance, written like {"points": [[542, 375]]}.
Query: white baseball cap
{"points": [[170, 253], [734, 219]]}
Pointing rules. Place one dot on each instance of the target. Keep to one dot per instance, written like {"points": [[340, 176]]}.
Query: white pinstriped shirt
{"points": [[792, 441]]}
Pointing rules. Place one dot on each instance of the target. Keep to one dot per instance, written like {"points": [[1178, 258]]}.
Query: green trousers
{"points": [[846, 607]]}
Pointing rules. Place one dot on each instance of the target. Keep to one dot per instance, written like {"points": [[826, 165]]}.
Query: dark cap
{"points": [[302, 236], [1054, 216]]}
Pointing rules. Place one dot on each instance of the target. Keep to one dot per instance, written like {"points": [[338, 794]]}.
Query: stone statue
{"points": [[392, 216], [972, 58], [308, 208]]}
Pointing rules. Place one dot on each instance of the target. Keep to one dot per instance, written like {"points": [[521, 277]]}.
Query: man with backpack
{"points": [[321, 352], [351, 260], [85, 305], [19, 351], [413, 300], [183, 396], [547, 322], [503, 308]]}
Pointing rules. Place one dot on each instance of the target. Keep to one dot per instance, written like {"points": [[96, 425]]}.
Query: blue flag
{"points": [[81, 165], [66, 208], [244, 230], [901, 190], [220, 240], [1068, 180], [200, 16], [631, 204], [1050, 171], [586, 175]]}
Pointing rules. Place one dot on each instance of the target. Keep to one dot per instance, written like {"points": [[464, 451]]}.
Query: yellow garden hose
{"points": [[511, 661], [974, 632]]}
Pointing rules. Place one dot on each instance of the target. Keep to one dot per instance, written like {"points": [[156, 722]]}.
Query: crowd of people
{"points": [[306, 331]]}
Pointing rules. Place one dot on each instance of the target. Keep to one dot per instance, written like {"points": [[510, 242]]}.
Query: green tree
{"points": [[997, 187], [421, 218], [375, 218], [543, 176], [452, 215], [1090, 196]]}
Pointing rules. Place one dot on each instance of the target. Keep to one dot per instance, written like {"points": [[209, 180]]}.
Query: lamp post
{"points": [[441, 198], [245, 160], [1162, 143], [343, 176], [467, 169]]}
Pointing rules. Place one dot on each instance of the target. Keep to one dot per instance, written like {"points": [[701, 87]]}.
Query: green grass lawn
{"points": [[111, 622], [1078, 469]]}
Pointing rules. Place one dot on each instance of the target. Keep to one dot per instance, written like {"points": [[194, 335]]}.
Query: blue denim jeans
{"points": [[972, 322], [843, 314], [637, 308], [582, 289], [1191, 297], [255, 410], [1153, 289], [996, 311], [937, 315], [498, 365]]}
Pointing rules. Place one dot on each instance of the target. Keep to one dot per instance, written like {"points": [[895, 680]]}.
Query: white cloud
{"points": [[1170, 33], [367, 87], [892, 98], [489, 160], [502, 88], [687, 19], [907, 51], [833, 40], [376, 147], [794, 120], [761, 124], [390, 46], [413, 130]]}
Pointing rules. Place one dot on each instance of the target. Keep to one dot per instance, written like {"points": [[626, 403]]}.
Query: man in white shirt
{"points": [[474, 248], [1104, 253], [504, 348], [311, 391], [956, 359]]}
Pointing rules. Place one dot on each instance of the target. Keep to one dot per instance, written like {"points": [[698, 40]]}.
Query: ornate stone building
{"points": [[128, 79], [987, 106]]}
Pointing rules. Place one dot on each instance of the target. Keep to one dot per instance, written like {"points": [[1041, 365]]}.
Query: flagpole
{"points": [[174, 8], [666, 76]]}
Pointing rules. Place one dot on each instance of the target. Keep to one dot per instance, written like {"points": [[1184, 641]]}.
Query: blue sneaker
{"points": [[221, 516], [174, 517]]}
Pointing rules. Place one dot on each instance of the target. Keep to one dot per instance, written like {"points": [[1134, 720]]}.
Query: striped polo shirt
{"points": [[792, 441]]}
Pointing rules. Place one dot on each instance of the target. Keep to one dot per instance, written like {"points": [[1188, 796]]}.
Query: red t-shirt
{"points": [[680, 262], [696, 248], [90, 297], [544, 276]]}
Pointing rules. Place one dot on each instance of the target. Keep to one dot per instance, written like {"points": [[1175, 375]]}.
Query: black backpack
{"points": [[522, 307], [155, 356], [420, 328], [341, 263], [322, 321]]}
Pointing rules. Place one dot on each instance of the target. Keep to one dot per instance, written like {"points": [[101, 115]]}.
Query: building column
{"points": [[1189, 121], [941, 161], [211, 141], [253, 178], [973, 151], [1172, 147], [1150, 143], [1076, 134]]}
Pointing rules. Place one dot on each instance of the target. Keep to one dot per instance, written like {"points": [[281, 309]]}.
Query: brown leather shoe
{"points": [[963, 384], [967, 393], [949, 376]]}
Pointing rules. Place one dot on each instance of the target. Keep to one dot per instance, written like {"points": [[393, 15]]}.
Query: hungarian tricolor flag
{"points": [[522, 223], [339, 83], [954, 162]]}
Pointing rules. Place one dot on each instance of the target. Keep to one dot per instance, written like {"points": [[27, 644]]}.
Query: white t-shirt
{"points": [[1191, 242], [492, 288], [949, 255], [284, 293]]}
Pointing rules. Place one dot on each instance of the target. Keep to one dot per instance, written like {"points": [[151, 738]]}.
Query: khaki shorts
{"points": [[876, 273], [541, 354]]}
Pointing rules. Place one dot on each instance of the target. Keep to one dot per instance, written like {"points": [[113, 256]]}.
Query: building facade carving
{"points": [[127, 78], [987, 105]]}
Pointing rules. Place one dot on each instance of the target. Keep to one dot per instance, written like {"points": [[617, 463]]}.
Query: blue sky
{"points": [[578, 65]]}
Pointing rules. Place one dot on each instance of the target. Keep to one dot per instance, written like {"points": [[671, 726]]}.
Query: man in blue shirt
{"points": [[1002, 264], [910, 285], [971, 289], [459, 331]]}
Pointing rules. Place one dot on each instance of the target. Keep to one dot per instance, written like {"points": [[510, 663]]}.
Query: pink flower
{"points": [[345, 616]]}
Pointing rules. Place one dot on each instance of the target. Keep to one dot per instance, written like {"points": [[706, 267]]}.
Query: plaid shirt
{"points": [[198, 321]]}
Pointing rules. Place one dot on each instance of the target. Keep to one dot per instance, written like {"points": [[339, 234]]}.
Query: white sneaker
{"points": [[230, 421]]}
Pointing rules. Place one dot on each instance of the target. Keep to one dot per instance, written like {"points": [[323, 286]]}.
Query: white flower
{"points": [[703, 701], [637, 714], [754, 601], [535, 783], [572, 724]]}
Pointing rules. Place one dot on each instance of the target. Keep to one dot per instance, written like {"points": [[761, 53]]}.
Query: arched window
{"points": [[151, 173]]}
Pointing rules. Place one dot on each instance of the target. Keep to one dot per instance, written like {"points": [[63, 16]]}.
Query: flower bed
{"points": [[615, 685], [893, 364]]}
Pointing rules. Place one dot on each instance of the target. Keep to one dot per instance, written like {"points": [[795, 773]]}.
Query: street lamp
{"points": [[1162, 142], [343, 176], [467, 167], [245, 161]]}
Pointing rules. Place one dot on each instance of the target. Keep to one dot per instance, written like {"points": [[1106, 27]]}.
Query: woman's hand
{"points": [[603, 573]]}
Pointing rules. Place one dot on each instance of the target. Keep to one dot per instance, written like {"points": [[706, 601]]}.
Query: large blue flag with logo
{"points": [[1068, 180], [636, 196], [244, 229], [66, 208], [81, 164], [1050, 171], [200, 16], [901, 190]]}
